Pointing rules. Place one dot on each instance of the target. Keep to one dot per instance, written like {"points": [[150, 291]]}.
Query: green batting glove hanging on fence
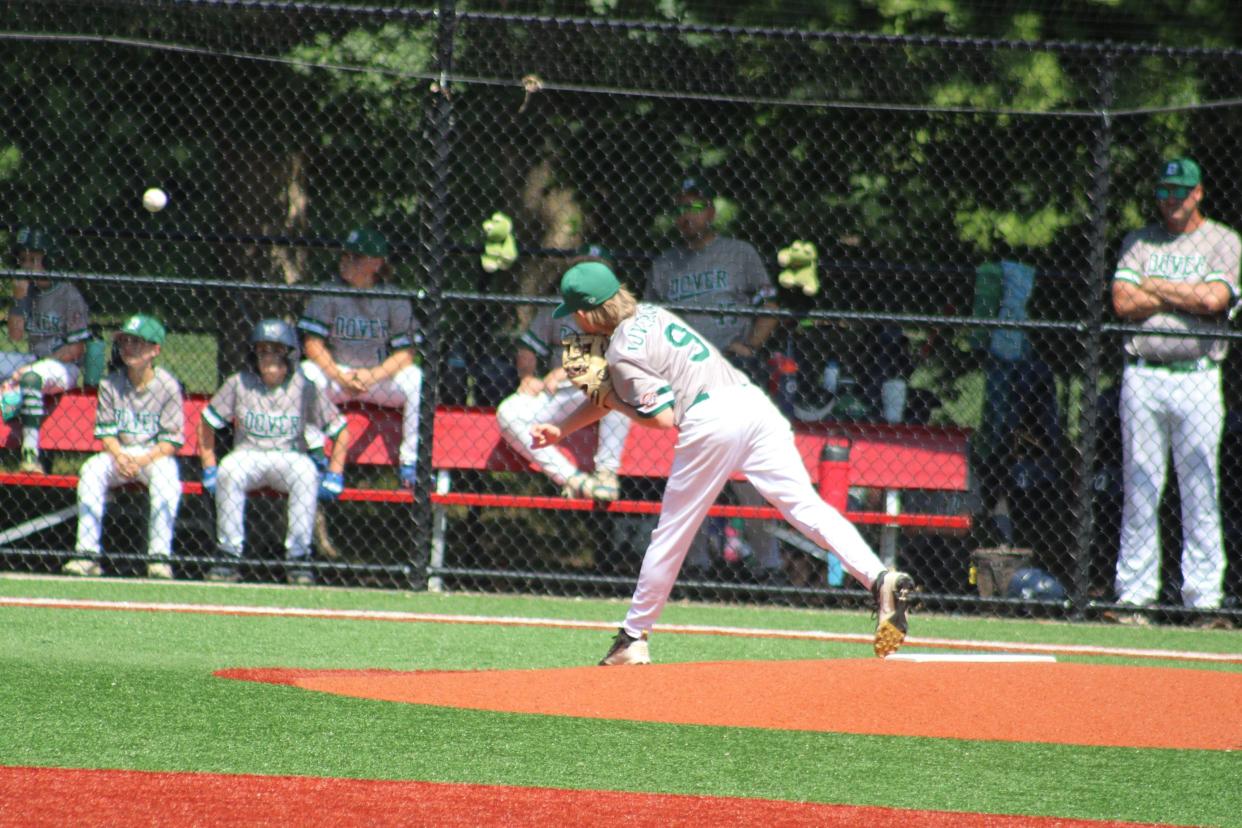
{"points": [[500, 248]]}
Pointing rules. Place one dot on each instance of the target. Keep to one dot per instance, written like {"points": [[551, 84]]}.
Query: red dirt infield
{"points": [[1064, 703], [37, 797]]}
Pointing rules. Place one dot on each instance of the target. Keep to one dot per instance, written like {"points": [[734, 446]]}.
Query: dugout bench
{"points": [[890, 460]]}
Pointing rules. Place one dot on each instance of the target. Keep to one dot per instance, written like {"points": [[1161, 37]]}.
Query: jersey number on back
{"points": [[680, 336]]}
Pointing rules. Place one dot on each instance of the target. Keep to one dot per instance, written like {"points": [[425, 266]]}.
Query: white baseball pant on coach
{"points": [[57, 376], [401, 390], [99, 474], [518, 412], [1161, 409], [244, 470], [734, 430]]}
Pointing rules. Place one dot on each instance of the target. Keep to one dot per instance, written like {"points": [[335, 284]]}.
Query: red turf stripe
{"points": [[57, 796]]}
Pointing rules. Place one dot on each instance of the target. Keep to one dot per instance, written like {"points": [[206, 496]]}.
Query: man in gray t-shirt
{"points": [[711, 271], [1178, 275]]}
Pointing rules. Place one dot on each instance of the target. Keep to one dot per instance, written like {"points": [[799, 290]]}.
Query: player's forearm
{"points": [[396, 361], [340, 448], [206, 444], [1133, 303], [317, 352], [69, 353], [588, 413], [1201, 298], [762, 329]]}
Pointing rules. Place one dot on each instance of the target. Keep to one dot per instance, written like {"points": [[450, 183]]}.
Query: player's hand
{"points": [[544, 434], [740, 348], [331, 485], [127, 466], [351, 383], [210, 473], [530, 386]]}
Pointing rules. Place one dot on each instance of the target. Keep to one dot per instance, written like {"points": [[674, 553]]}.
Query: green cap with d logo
{"points": [[586, 286], [144, 327]]}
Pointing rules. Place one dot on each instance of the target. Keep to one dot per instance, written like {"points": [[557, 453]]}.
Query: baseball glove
{"points": [[586, 366]]}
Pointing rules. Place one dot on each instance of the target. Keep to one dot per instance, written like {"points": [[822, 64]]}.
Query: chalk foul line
{"points": [[568, 624]]}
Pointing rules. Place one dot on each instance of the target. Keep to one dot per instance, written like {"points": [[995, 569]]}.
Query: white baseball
{"points": [[154, 199]]}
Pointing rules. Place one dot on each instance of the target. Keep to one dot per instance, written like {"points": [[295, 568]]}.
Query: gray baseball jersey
{"points": [[656, 360], [545, 334], [272, 419], [728, 273], [1209, 254], [361, 331], [141, 417], [57, 316]]}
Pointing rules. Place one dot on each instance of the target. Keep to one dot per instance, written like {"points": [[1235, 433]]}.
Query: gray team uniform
{"points": [[269, 449], [57, 316], [138, 419], [361, 332], [518, 412], [726, 427], [728, 273], [1171, 399]]}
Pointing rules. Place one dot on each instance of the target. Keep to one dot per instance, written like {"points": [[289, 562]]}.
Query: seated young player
{"points": [[269, 406]]}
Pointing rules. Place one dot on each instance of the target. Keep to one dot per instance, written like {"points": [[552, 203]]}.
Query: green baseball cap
{"points": [[586, 286], [367, 242], [144, 327], [1181, 171], [597, 251]]}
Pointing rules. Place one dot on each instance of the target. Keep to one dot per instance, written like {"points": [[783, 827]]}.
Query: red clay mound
{"points": [[35, 797], [1080, 704]]}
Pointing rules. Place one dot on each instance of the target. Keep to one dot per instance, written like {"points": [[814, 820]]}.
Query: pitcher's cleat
{"points": [[626, 649], [892, 595]]}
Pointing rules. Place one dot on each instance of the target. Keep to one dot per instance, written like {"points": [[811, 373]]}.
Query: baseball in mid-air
{"points": [[154, 199]]}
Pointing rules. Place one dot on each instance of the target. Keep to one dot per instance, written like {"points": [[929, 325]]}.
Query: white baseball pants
{"points": [[737, 429], [57, 376], [1185, 412], [401, 390], [518, 412], [243, 471], [99, 474]]}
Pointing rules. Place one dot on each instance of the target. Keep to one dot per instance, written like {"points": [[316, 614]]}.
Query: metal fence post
{"points": [[1094, 318], [438, 131]]}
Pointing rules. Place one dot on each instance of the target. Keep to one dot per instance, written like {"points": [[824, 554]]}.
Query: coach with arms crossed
{"points": [[1178, 275]]}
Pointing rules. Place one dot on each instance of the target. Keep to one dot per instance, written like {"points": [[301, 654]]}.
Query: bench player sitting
{"points": [[269, 405], [141, 422], [52, 318]]}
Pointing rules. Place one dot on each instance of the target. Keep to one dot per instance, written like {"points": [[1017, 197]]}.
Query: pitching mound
{"points": [[1080, 704]]}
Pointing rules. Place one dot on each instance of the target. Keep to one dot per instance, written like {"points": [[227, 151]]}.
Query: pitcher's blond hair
{"points": [[614, 311]]}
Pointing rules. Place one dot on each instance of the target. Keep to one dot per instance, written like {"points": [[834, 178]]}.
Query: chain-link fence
{"points": [[911, 243]]}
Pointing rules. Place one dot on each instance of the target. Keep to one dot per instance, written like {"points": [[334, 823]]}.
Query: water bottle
{"points": [[832, 375], [94, 362]]}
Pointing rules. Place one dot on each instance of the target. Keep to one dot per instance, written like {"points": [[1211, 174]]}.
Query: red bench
{"points": [[889, 458]]}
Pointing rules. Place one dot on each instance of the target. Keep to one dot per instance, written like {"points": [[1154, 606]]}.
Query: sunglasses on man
{"points": [[1172, 192], [691, 207]]}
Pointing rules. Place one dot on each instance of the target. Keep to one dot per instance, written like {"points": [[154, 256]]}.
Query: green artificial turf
{"points": [[91, 688]]}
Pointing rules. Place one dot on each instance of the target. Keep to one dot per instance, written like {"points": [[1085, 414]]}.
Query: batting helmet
{"points": [[280, 332], [33, 238], [1031, 584]]}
